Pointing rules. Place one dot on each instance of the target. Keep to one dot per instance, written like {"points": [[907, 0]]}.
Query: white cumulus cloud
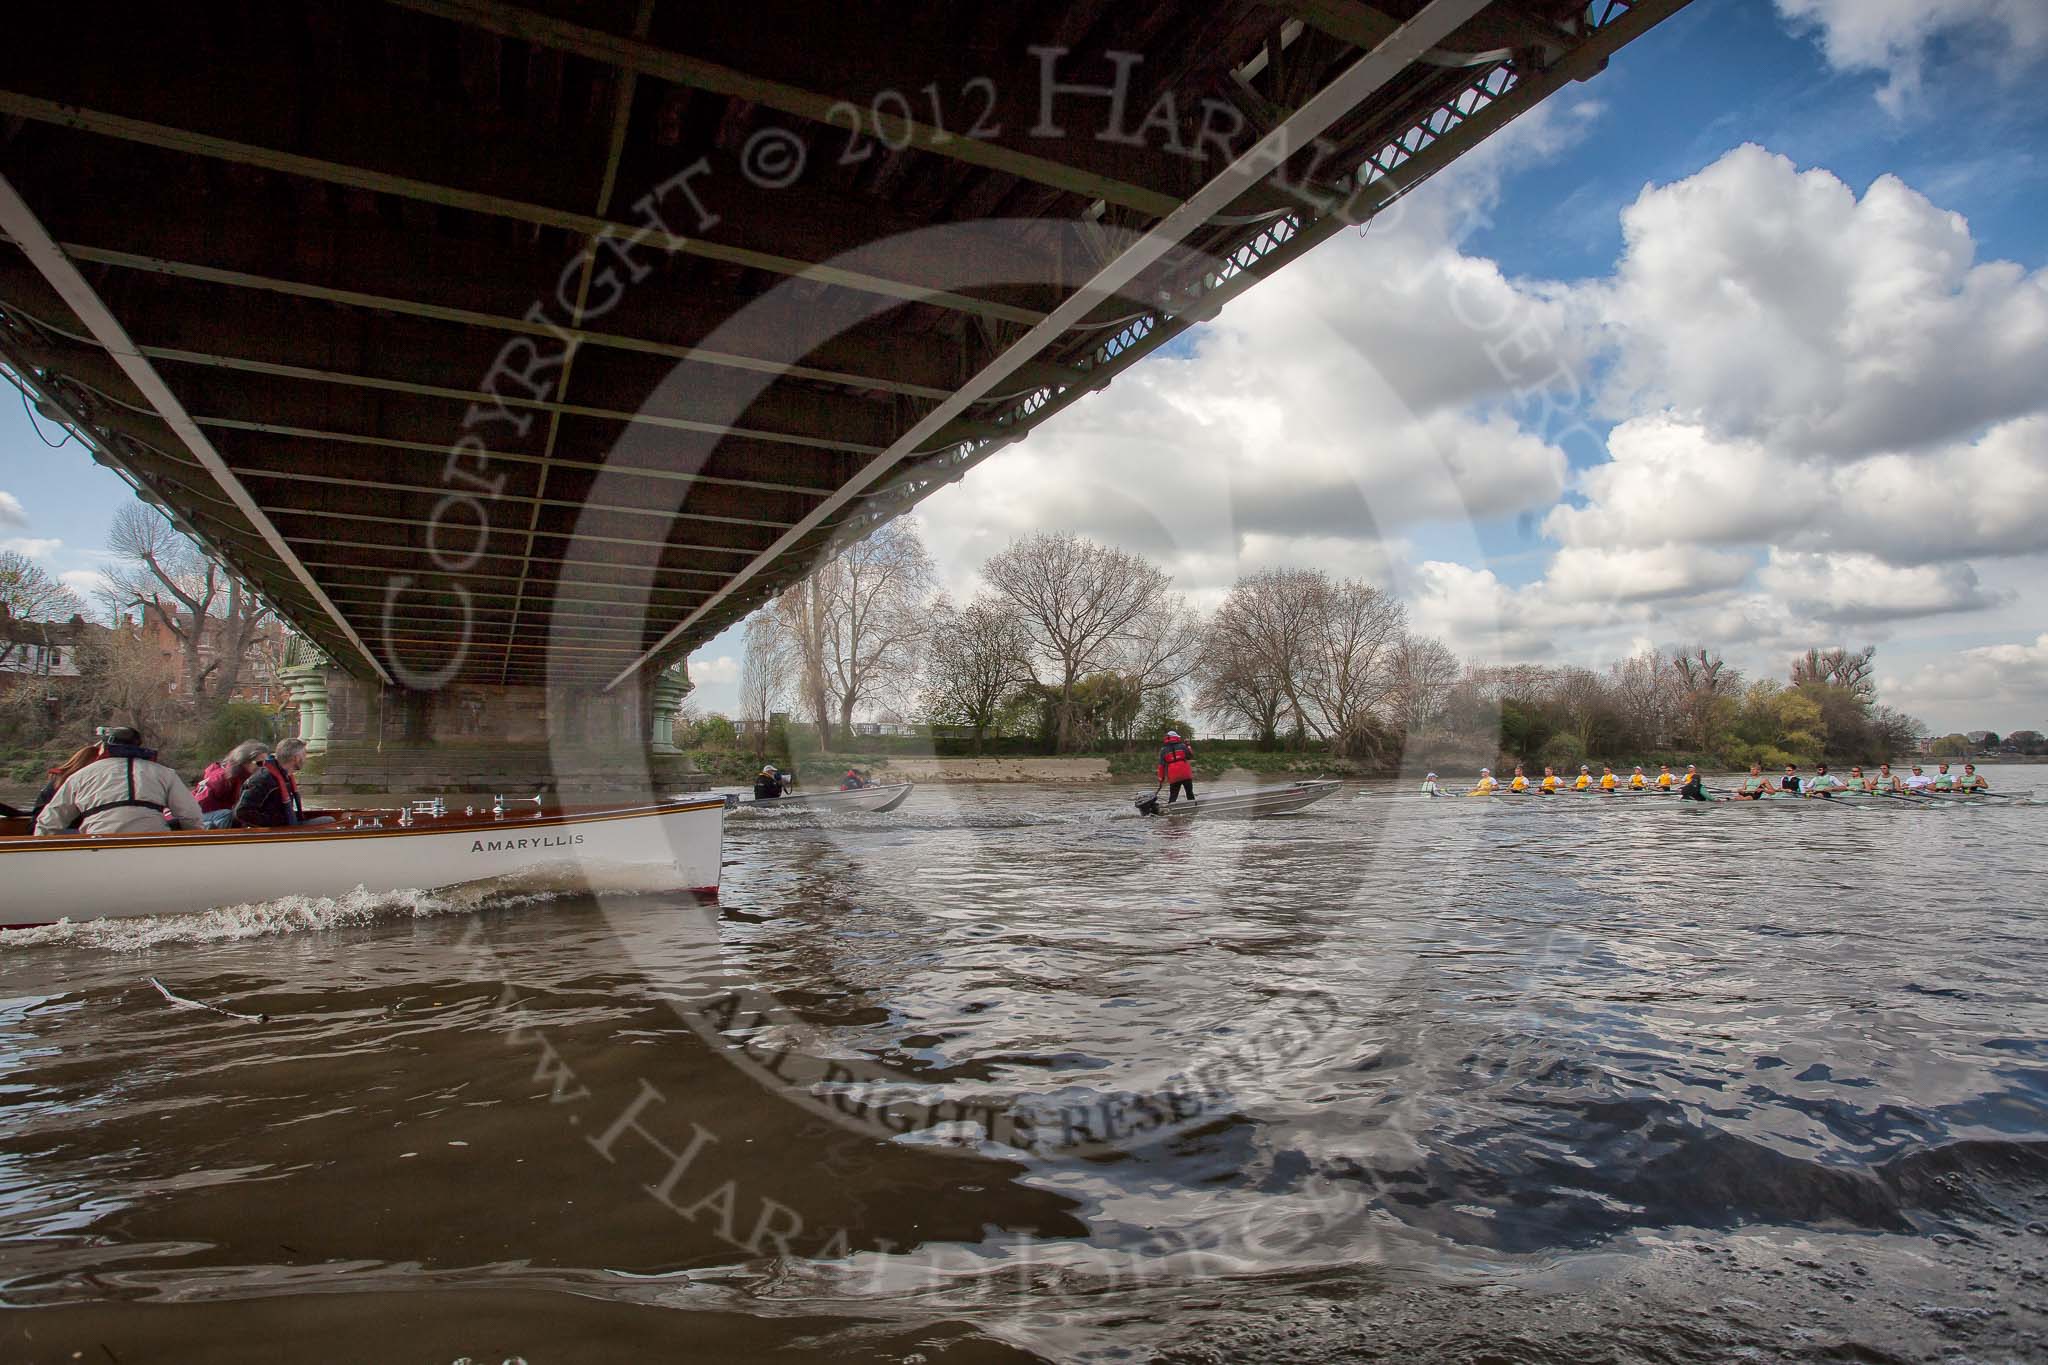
{"points": [[11, 511], [1769, 303], [86, 584], [1860, 588], [35, 547], [720, 669], [1898, 37], [2002, 687]]}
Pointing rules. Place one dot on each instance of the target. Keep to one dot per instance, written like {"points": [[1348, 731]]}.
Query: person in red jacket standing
{"points": [[1177, 765]]}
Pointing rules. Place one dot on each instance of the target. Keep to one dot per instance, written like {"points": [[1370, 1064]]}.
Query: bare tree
{"points": [[215, 620], [28, 593], [1896, 731], [1253, 652], [1231, 687], [124, 680], [875, 616], [1584, 702], [1157, 655], [979, 658], [1640, 689], [1425, 672], [1849, 669], [1703, 678], [856, 625], [799, 618], [1080, 603], [760, 678], [1349, 675]]}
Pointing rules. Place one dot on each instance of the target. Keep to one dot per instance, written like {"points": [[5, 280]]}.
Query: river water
{"points": [[1012, 1075]]}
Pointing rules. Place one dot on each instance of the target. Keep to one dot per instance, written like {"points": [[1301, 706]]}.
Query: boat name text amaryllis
{"points": [[515, 845]]}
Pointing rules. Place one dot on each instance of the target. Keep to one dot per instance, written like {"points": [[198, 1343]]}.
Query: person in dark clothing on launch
{"points": [[270, 798], [1177, 765], [769, 785]]}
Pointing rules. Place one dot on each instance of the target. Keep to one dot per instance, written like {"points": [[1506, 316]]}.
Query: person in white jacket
{"points": [[124, 791]]}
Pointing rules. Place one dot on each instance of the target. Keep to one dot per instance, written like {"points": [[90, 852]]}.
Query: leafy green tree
{"points": [[715, 732], [1162, 713], [1802, 726], [1773, 726], [1562, 752], [1952, 746], [1523, 729]]}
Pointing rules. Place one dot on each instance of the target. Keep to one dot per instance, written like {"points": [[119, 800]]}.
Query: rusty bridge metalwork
{"points": [[511, 344]]}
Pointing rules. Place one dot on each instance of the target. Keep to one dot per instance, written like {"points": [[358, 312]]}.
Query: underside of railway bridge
{"points": [[510, 352]]}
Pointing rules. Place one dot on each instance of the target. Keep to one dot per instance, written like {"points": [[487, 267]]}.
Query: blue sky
{"points": [[1724, 72], [1517, 574]]}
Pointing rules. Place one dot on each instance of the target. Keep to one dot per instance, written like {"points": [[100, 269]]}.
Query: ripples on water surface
{"points": [[1454, 1079]]}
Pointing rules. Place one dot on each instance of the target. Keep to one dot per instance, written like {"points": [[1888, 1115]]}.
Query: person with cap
{"points": [[1177, 765], [1694, 788], [123, 791], [1585, 782], [768, 785], [1637, 781], [1486, 784], [1429, 787], [1919, 781]]}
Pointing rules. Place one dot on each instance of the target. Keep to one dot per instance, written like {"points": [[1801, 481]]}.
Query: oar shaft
{"points": [[177, 999]]}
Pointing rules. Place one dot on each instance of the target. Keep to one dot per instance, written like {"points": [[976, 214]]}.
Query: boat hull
{"points": [[875, 800], [118, 876], [1257, 801]]}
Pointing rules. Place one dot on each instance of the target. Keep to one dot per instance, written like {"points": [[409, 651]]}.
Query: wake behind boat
{"points": [[1249, 801], [78, 876], [876, 798]]}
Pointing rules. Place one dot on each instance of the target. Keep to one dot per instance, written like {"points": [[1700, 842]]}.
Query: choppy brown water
{"points": [[1384, 1079]]}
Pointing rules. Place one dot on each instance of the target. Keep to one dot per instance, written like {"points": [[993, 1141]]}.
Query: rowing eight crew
{"points": [[1826, 785], [1756, 786], [1551, 784]]}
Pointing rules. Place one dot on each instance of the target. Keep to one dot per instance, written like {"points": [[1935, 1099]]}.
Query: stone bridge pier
{"points": [[575, 741]]}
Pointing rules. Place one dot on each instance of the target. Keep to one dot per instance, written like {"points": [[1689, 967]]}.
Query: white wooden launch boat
{"points": [[1244, 801], [881, 797], [74, 876]]}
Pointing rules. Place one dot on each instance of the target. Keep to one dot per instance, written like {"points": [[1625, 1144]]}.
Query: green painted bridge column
{"points": [[665, 695], [308, 683]]}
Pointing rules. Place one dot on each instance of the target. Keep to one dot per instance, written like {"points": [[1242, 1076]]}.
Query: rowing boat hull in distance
{"points": [[58, 877], [1252, 801], [875, 800]]}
